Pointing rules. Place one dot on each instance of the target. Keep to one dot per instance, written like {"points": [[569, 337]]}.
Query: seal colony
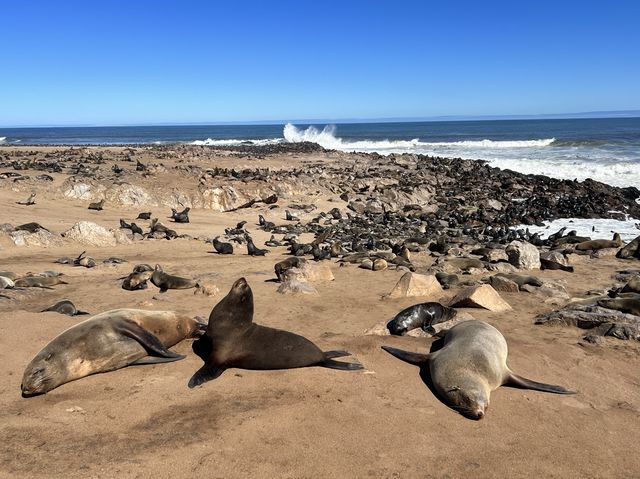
{"points": [[366, 220]]}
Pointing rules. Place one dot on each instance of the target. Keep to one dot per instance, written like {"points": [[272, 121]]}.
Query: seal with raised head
{"points": [[423, 315], [471, 364], [616, 242], [624, 302], [166, 281], [221, 247], [105, 342], [233, 340]]}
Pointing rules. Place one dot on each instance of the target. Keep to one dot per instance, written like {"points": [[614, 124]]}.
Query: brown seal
{"points": [[233, 340], [616, 242], [166, 281], [471, 364], [625, 303], [105, 342], [38, 282]]}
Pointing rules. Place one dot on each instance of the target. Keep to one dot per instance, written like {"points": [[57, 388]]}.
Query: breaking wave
{"points": [[235, 142]]}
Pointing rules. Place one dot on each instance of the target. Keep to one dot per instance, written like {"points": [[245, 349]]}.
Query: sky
{"points": [[148, 62]]}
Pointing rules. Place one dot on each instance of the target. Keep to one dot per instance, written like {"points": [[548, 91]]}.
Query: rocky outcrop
{"points": [[91, 234], [483, 296]]}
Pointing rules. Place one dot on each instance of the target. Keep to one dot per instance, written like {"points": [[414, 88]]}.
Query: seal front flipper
{"points": [[411, 358], [150, 342], [331, 364], [519, 381], [156, 360], [206, 373]]}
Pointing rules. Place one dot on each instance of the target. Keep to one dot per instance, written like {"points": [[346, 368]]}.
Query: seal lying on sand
{"points": [[423, 315], [166, 281], [110, 340], [471, 364], [65, 306], [38, 282], [616, 242], [233, 340]]}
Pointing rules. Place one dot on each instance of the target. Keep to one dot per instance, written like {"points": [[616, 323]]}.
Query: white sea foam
{"points": [[594, 228], [234, 142], [3, 139]]}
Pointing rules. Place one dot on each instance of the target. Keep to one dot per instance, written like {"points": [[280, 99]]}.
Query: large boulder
{"points": [[90, 234], [414, 284], [40, 237], [483, 296], [631, 250], [523, 255], [311, 272], [505, 285]]}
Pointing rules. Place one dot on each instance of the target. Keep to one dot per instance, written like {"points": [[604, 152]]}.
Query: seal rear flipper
{"points": [[335, 354], [149, 341], [331, 364], [206, 373], [524, 383], [81, 313], [409, 357], [156, 360]]}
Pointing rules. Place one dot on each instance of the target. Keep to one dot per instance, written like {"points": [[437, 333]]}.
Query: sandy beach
{"points": [[143, 421]]}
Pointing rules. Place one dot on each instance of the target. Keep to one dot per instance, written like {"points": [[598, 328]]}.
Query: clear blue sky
{"points": [[139, 62]]}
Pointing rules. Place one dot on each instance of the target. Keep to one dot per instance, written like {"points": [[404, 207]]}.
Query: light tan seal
{"points": [[616, 242], [105, 342], [471, 364]]}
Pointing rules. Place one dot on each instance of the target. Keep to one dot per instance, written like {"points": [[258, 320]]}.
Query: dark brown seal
{"points": [[166, 281], [233, 340]]}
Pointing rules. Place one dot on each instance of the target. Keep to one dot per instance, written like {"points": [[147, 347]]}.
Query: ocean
{"points": [[606, 150]]}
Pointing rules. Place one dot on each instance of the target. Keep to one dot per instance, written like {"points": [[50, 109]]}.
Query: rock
{"points": [[294, 286], [6, 283], [366, 264], [40, 238], [483, 296], [311, 272], [556, 257], [605, 253], [123, 236], [91, 234], [374, 207], [631, 250], [502, 284], [523, 255], [356, 206], [502, 268], [494, 204], [379, 264], [414, 284], [495, 256]]}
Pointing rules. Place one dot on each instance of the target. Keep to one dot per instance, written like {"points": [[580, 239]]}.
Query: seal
{"points": [[137, 280], [521, 279], [166, 281], [65, 306], [423, 315], [252, 249], [180, 217], [221, 247], [471, 364], [616, 242], [625, 303], [144, 216], [29, 201], [105, 342], [97, 206], [233, 340], [281, 267], [39, 282]]}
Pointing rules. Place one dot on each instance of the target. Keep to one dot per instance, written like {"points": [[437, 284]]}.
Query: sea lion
{"points": [[85, 261], [471, 364], [625, 303], [97, 206], [166, 281], [182, 217], [38, 282], [632, 249], [423, 315], [29, 201], [447, 280], [616, 242], [252, 249], [137, 280], [521, 279], [291, 216], [6, 283], [233, 340], [221, 247], [284, 265], [105, 342], [144, 216], [65, 306]]}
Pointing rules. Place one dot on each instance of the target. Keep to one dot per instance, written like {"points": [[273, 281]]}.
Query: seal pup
{"points": [[105, 342], [291, 216], [616, 242], [182, 217], [221, 247], [29, 201], [471, 364], [166, 281], [65, 306], [97, 206], [144, 216], [233, 340], [137, 280], [423, 315]]}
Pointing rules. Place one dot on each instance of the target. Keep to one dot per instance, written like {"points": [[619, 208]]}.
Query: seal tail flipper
{"points": [[336, 354], [149, 341], [524, 383], [156, 360], [208, 372], [331, 364], [81, 313], [409, 357]]}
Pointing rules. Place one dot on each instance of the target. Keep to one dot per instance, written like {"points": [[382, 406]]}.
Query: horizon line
{"points": [[602, 114]]}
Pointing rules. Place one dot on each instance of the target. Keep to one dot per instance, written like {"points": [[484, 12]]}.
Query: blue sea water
{"points": [[607, 150]]}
